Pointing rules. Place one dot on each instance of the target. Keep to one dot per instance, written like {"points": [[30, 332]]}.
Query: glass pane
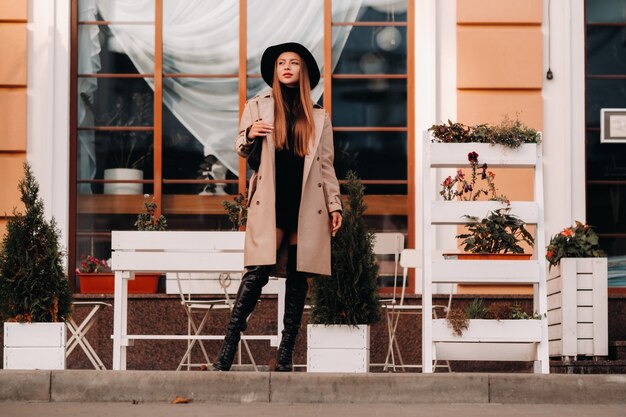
{"points": [[99, 152], [115, 102], [116, 10], [603, 94], [605, 161], [606, 50], [373, 156], [606, 10], [606, 208], [115, 49], [373, 50], [201, 38], [200, 119], [377, 102], [388, 11]]}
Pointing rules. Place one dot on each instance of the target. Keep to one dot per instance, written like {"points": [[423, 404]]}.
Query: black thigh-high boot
{"points": [[296, 288], [252, 282]]}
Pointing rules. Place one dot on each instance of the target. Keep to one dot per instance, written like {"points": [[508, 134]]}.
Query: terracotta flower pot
{"points": [[104, 283]]}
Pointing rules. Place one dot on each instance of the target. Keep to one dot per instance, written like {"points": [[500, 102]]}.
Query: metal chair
{"points": [[409, 258], [79, 332], [194, 307]]}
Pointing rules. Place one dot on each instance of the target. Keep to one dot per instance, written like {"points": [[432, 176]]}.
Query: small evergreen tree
{"points": [[33, 286], [350, 295]]}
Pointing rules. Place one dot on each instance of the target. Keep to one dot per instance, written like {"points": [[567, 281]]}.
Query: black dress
{"points": [[289, 171]]}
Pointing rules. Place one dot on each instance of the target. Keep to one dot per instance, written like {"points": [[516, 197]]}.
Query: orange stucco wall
{"points": [[499, 73], [13, 79]]}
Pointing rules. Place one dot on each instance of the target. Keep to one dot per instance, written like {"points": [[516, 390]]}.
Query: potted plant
{"points": [[345, 304], [497, 234], [127, 150], [95, 276], [35, 297], [509, 133], [577, 285]]}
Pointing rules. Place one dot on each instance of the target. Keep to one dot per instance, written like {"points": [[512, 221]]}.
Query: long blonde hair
{"points": [[304, 126]]}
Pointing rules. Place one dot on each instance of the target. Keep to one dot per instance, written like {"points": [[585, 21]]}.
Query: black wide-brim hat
{"points": [[271, 54]]}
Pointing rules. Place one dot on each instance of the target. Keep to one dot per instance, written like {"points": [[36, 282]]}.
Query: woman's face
{"points": [[288, 68]]}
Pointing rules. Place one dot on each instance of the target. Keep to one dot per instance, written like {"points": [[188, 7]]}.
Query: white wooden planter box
{"points": [[578, 308], [493, 340], [338, 348], [34, 345]]}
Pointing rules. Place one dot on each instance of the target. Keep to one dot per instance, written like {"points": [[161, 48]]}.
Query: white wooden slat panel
{"points": [[584, 330], [453, 212], [34, 358], [585, 347], [584, 265], [584, 298], [584, 281], [34, 334], [454, 155], [177, 241], [554, 301], [486, 351], [554, 287], [555, 331], [584, 314], [554, 316], [601, 310], [555, 347], [485, 272], [177, 262], [516, 331]]}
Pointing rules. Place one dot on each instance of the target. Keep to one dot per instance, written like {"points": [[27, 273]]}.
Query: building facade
{"points": [[156, 86]]}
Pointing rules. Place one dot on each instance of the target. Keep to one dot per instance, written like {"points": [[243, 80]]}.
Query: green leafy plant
{"points": [[147, 220], [499, 232], [33, 286], [350, 296], [518, 314], [461, 188], [237, 211], [476, 309], [579, 241], [509, 133]]}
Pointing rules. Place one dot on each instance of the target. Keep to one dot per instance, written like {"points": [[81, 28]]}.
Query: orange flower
{"points": [[567, 232], [550, 254]]}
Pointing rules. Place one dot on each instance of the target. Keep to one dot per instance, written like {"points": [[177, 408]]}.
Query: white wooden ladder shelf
{"points": [[505, 340]]}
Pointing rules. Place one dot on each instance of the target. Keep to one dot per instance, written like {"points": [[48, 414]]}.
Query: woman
{"points": [[294, 204]]}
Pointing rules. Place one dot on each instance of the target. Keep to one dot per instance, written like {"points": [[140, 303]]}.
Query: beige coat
{"points": [[320, 195]]}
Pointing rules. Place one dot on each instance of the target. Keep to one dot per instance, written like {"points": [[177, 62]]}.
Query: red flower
{"points": [[472, 157], [550, 254], [567, 232]]}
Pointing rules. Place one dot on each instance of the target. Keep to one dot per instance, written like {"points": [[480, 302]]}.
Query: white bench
{"points": [[207, 253]]}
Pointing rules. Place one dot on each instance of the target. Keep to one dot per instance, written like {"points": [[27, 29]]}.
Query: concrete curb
{"points": [[265, 387]]}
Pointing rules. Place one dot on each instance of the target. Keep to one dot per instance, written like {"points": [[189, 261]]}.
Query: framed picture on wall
{"points": [[613, 125]]}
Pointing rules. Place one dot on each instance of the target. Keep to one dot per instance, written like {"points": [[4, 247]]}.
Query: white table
{"points": [[135, 252]]}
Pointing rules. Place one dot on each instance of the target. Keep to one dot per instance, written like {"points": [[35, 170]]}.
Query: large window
{"points": [[605, 88], [158, 86]]}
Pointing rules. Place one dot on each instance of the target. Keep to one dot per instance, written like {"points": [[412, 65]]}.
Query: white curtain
{"points": [[202, 37]]}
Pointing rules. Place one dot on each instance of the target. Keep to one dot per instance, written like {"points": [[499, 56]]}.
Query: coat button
{"points": [[318, 158], [319, 184], [257, 203], [319, 212], [259, 178]]}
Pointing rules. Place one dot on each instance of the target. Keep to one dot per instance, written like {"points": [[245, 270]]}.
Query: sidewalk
{"points": [[277, 388], [307, 410]]}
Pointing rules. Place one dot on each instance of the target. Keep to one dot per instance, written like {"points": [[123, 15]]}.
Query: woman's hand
{"points": [[259, 129], [335, 222]]}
